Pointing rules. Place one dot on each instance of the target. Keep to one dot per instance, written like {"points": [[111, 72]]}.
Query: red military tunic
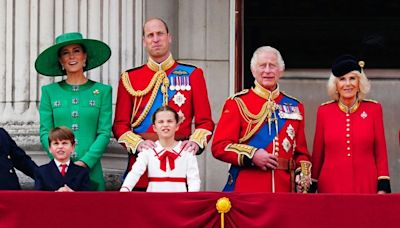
{"points": [[349, 154], [141, 92], [244, 127]]}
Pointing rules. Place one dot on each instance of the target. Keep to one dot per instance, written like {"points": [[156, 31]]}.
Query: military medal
{"points": [[179, 99], [287, 111], [177, 84], [183, 83], [188, 87], [172, 86]]}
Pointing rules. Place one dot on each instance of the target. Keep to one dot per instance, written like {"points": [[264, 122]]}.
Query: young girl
{"points": [[170, 167]]}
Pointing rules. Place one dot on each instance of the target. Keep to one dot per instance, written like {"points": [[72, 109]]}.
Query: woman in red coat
{"points": [[349, 153]]}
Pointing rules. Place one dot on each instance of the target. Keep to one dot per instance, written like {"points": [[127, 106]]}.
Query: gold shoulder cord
{"points": [[251, 118], [136, 93], [155, 83]]}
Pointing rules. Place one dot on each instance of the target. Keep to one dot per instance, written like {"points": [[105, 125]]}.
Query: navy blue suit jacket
{"points": [[48, 177], [11, 157]]}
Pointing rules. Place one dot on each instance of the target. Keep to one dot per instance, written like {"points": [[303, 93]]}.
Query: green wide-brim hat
{"points": [[97, 53]]}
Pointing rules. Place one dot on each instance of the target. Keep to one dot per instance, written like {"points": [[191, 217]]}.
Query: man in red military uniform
{"points": [[261, 133], [162, 81]]}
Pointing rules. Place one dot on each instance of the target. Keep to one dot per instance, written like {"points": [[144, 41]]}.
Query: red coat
{"points": [[195, 106], [349, 153], [230, 146]]}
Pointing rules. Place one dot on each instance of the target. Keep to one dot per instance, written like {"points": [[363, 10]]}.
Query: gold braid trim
{"points": [[199, 136], [131, 141], [251, 118], [159, 75], [242, 150], [136, 93]]}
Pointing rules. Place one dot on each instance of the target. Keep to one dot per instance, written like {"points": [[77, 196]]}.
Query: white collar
{"points": [[59, 163]]}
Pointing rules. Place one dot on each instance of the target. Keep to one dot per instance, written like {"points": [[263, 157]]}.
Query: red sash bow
{"points": [[170, 156]]}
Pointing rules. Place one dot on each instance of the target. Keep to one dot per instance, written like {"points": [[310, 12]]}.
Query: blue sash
{"points": [[184, 71], [260, 140]]}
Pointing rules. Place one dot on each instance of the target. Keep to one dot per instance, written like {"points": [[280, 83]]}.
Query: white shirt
{"points": [[58, 164], [185, 167]]}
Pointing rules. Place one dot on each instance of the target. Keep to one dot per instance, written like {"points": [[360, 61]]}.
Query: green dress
{"points": [[85, 109]]}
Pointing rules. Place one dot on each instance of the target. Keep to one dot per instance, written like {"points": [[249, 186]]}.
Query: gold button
{"points": [[347, 114], [347, 129], [277, 148], [276, 154], [11, 171], [348, 125], [348, 120], [348, 141], [347, 135], [9, 157], [348, 148], [348, 155]]}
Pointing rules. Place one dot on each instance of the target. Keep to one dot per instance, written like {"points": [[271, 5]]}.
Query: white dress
{"points": [[178, 173]]}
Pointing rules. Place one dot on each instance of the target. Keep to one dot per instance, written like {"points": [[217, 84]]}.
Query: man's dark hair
{"points": [[156, 18]]}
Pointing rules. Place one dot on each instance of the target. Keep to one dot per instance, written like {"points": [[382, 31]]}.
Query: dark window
{"points": [[312, 33]]}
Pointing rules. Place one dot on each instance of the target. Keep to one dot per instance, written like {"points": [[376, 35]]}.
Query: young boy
{"points": [[170, 167], [61, 174]]}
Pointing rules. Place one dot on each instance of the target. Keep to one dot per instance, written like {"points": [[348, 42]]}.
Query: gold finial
{"points": [[223, 206], [361, 64]]}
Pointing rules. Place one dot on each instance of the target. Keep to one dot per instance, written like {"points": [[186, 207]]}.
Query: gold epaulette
{"points": [[239, 94], [370, 100], [199, 136], [242, 150], [294, 98], [186, 64], [131, 141], [137, 93], [328, 102], [133, 69]]}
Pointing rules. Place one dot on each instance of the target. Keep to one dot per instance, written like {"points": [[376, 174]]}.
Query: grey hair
{"points": [[254, 59], [364, 85]]}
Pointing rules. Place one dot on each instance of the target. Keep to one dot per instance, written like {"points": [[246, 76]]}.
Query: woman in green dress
{"points": [[77, 102]]}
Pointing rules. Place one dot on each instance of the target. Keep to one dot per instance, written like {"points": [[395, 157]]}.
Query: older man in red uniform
{"points": [[162, 81], [261, 133]]}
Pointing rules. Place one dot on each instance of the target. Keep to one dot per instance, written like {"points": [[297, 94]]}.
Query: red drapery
{"points": [[140, 209]]}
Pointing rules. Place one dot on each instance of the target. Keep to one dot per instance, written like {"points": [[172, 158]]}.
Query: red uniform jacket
{"points": [[235, 143], [190, 101], [349, 154]]}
